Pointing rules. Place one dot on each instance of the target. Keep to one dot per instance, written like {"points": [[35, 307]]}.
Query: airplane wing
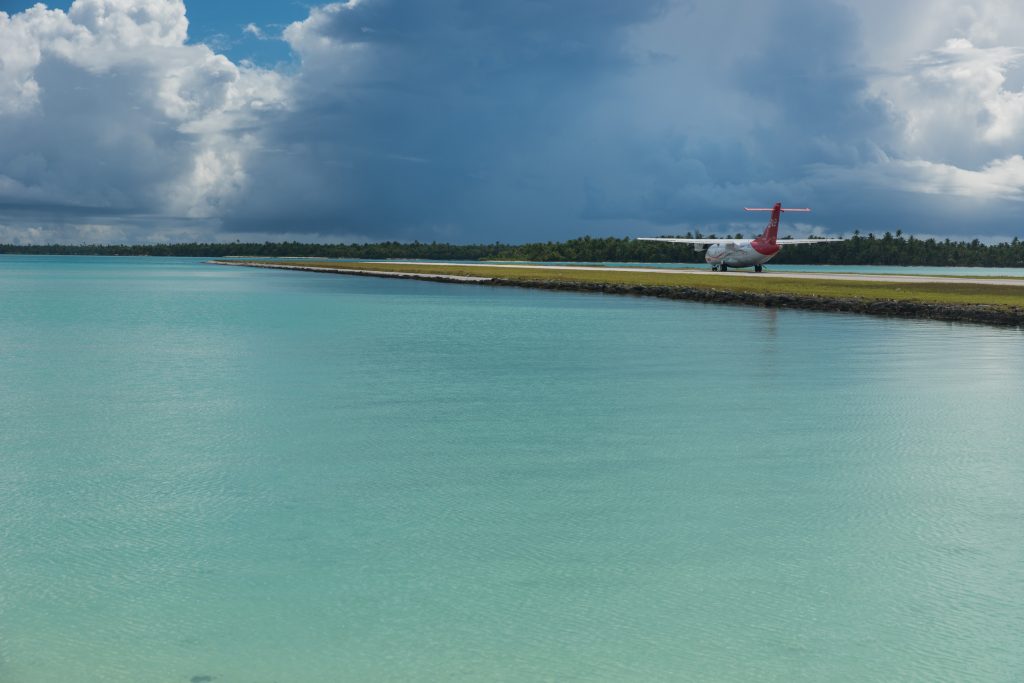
{"points": [[690, 240], [811, 241], [727, 240]]}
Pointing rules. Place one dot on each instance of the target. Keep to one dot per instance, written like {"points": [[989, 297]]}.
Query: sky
{"points": [[136, 121]]}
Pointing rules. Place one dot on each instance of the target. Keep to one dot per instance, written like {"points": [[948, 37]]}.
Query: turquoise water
{"points": [[277, 476]]}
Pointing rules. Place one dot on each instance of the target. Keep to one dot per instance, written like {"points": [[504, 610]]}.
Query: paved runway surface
{"points": [[856, 277], [317, 269]]}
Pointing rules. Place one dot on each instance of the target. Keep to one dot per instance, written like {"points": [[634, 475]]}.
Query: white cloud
{"points": [[132, 23], [1000, 179], [955, 105], [24, 37], [107, 108]]}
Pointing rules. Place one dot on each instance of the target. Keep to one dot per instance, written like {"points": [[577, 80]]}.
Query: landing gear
{"points": [[723, 267], [758, 268], [714, 267]]}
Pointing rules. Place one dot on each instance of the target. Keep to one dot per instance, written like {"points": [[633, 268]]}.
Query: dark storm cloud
{"points": [[444, 117], [811, 86], [803, 93], [513, 121]]}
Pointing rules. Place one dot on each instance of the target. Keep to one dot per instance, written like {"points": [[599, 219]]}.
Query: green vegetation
{"points": [[899, 250], [965, 293], [895, 250], [889, 249]]}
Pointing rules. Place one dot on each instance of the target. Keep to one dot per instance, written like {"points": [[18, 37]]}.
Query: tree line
{"points": [[888, 249]]}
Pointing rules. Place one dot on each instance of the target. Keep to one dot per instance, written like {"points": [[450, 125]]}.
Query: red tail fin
{"points": [[771, 231]]}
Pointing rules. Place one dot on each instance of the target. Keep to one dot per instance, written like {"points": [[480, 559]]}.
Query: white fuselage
{"points": [[736, 254]]}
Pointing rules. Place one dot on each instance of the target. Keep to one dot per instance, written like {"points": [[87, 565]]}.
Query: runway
{"points": [[789, 275]]}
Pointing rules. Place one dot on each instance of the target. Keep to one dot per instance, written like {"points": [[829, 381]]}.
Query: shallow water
{"points": [[278, 476]]}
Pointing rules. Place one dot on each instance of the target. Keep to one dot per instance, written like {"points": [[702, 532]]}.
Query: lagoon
{"points": [[268, 475]]}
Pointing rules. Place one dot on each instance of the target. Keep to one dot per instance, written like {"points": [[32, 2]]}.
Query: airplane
{"points": [[724, 253]]}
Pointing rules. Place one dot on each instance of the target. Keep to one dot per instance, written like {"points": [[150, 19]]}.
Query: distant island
{"points": [[888, 250]]}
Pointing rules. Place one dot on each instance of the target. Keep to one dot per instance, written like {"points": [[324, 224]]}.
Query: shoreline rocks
{"points": [[973, 313], [890, 308]]}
